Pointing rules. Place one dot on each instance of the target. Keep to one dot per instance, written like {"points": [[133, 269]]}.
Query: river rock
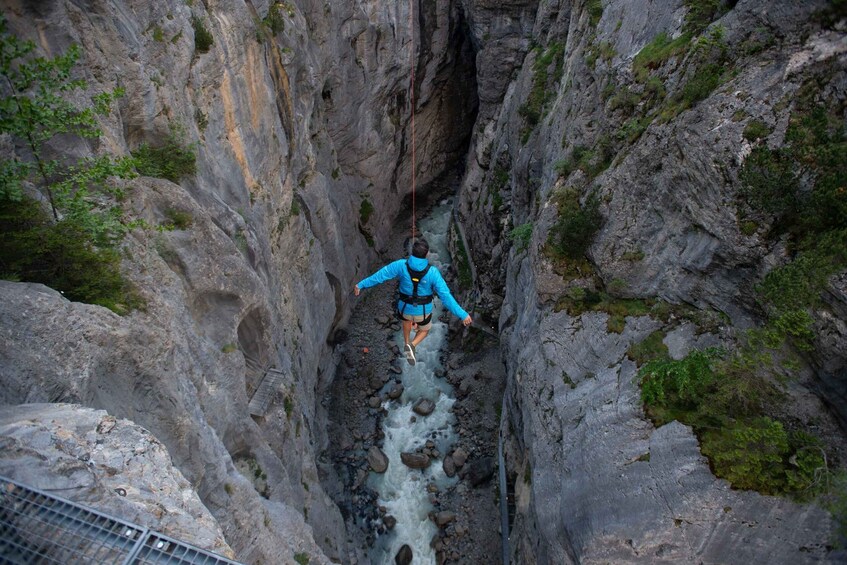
{"points": [[480, 471], [415, 460], [424, 407], [449, 466], [396, 391], [377, 459], [444, 517], [389, 521], [404, 556], [374, 402], [460, 456], [436, 542], [375, 382]]}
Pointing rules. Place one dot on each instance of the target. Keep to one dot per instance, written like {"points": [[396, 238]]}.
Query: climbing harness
{"points": [[414, 299], [412, 101]]}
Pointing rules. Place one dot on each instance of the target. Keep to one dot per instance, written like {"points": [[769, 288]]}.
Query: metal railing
{"points": [[37, 527]]}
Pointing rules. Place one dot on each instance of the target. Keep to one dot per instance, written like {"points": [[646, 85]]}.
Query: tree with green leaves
{"points": [[69, 242]]}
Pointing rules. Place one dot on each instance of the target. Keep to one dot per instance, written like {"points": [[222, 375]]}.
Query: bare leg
{"points": [[407, 329], [419, 337]]}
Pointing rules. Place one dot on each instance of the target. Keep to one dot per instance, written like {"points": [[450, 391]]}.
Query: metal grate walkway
{"points": [[263, 396], [39, 528]]}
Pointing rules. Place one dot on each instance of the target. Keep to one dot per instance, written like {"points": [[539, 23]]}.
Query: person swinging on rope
{"points": [[418, 281]]}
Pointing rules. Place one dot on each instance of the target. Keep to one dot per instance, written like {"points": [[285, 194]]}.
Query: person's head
{"points": [[420, 248]]}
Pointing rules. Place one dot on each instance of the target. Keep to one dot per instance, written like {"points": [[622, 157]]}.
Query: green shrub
{"points": [[540, 95], [178, 219], [703, 12], [302, 558], [649, 349], [521, 236], [499, 180], [657, 52], [668, 386], [563, 167], [748, 455], [67, 239], [366, 209], [275, 21], [203, 40], [574, 231], [171, 161], [756, 129], [624, 100], [636, 255], [595, 11], [769, 182], [726, 409], [61, 255], [761, 455], [633, 128]]}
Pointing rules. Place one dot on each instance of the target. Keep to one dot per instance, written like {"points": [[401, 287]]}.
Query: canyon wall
{"points": [[302, 135], [569, 111], [295, 123]]}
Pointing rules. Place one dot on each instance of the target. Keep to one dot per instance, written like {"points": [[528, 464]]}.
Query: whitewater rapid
{"points": [[403, 491]]}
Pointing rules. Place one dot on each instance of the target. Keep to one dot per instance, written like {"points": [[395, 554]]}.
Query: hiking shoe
{"points": [[410, 354]]}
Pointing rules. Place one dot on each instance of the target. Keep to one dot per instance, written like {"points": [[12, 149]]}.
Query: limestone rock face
{"points": [[107, 464], [596, 481], [292, 133]]}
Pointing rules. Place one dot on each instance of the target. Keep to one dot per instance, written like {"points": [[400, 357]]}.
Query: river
{"points": [[403, 491]]}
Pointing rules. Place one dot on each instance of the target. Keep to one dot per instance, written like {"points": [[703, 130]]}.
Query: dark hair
{"points": [[420, 248]]}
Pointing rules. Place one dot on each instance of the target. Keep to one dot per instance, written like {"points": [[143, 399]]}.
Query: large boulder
{"points": [[424, 407], [377, 459], [479, 471], [404, 556], [415, 460]]}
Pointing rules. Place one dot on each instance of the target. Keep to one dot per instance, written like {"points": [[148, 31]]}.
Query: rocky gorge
{"points": [[652, 123]]}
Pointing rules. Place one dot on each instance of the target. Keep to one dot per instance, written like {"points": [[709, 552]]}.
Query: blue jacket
{"points": [[431, 283]]}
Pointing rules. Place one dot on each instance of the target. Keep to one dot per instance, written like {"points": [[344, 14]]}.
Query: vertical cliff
{"points": [[609, 193], [298, 115]]}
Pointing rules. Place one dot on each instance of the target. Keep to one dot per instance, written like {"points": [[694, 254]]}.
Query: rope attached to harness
{"points": [[412, 100]]}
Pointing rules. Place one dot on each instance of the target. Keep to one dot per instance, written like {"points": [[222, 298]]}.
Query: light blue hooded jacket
{"points": [[431, 283]]}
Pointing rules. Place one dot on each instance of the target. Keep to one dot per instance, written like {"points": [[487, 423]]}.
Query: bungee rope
{"points": [[412, 101]]}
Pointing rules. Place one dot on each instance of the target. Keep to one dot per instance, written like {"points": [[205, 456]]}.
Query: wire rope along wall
{"points": [[37, 527]]}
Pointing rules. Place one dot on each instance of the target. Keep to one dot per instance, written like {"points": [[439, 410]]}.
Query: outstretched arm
{"points": [[447, 299], [387, 273]]}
